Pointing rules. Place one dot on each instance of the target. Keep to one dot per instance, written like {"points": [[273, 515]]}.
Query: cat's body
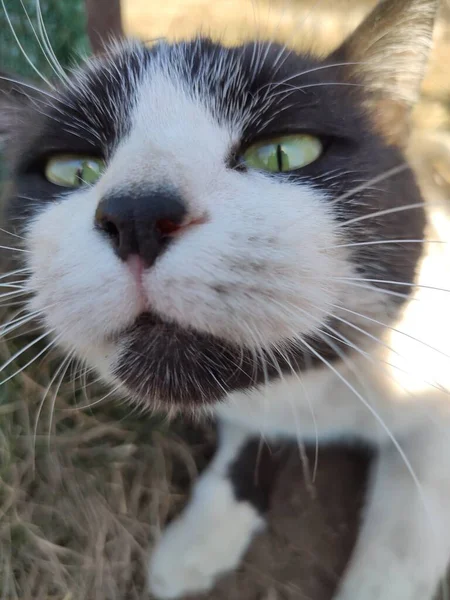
{"points": [[398, 403], [282, 300]]}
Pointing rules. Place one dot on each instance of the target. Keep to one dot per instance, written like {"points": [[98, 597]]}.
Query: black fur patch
{"points": [[182, 367], [254, 471]]}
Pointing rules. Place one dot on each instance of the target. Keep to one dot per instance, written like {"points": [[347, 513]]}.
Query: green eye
{"points": [[74, 171], [284, 153]]}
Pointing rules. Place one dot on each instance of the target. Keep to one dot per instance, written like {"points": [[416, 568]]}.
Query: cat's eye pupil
{"points": [[280, 157], [79, 175]]}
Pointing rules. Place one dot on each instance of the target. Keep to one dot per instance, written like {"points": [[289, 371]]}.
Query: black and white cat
{"points": [[234, 232]]}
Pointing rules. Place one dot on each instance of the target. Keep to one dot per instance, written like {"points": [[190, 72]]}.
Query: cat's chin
{"points": [[165, 365], [162, 362]]}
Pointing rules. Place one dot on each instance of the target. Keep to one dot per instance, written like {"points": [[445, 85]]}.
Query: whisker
{"points": [[381, 242], [66, 362], [390, 282], [9, 338], [14, 249], [379, 341], [382, 291], [29, 86], [374, 413], [30, 362], [30, 22], [14, 293], [21, 48], [96, 402], [13, 284], [49, 53], [386, 325], [310, 479], [16, 323], [42, 402], [16, 272], [380, 213], [309, 71], [293, 88], [24, 349], [20, 237], [369, 182]]}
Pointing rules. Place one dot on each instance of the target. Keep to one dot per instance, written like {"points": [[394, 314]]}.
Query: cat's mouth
{"points": [[162, 362]]}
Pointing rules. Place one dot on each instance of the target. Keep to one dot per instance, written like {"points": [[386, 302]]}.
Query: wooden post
{"points": [[104, 22]]}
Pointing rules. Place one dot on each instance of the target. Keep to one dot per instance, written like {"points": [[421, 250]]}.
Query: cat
{"points": [[234, 233]]}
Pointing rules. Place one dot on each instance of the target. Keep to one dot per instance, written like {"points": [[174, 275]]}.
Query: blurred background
{"points": [[80, 502], [317, 25]]}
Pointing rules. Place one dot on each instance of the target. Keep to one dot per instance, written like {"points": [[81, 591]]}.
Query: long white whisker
{"points": [[96, 402], [374, 413], [44, 43], [380, 213], [66, 362], [390, 282], [14, 293], [29, 86], [381, 290], [381, 343], [309, 71], [292, 89], [13, 249], [308, 477], [411, 337], [24, 349], [18, 322], [41, 404], [14, 285], [381, 242], [381, 177], [16, 272], [20, 237], [30, 362], [21, 48]]}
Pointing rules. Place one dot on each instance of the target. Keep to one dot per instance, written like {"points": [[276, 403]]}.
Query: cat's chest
{"points": [[370, 398], [329, 403]]}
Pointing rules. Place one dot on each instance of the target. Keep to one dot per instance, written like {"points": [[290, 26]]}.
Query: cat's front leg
{"points": [[225, 511], [404, 544]]}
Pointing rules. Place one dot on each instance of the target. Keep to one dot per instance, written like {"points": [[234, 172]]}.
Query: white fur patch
{"points": [[211, 535], [207, 540]]}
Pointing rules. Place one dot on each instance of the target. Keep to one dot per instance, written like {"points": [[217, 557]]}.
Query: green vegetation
{"points": [[65, 26]]}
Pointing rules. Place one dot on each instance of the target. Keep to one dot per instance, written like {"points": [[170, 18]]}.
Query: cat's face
{"points": [[184, 272]]}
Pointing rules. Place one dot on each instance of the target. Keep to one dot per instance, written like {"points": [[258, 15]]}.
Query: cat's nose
{"points": [[140, 224]]}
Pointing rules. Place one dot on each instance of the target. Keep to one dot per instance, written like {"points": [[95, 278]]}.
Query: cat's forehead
{"points": [[255, 89]]}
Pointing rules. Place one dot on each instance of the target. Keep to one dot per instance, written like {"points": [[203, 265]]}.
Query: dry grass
{"points": [[79, 504]]}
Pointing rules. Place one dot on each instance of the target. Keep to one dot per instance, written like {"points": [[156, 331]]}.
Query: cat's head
{"points": [[197, 219]]}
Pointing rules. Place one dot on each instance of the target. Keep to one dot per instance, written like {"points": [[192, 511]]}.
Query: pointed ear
{"points": [[391, 48], [16, 95]]}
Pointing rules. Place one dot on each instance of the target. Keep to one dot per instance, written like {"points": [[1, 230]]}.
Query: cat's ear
{"points": [[389, 52], [16, 96]]}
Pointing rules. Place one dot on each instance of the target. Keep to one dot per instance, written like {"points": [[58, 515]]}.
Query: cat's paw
{"points": [[180, 565], [207, 541]]}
